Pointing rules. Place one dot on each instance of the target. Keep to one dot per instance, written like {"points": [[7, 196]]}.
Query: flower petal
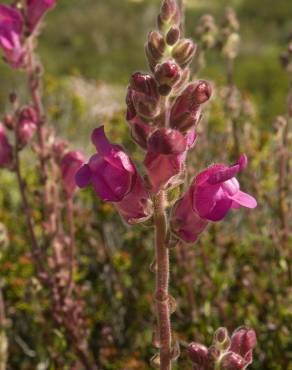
{"points": [[244, 199], [83, 176]]}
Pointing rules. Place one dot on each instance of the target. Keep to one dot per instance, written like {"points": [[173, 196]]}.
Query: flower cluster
{"points": [[16, 23], [163, 111], [226, 353]]}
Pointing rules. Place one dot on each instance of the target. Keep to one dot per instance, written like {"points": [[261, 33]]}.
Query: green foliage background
{"points": [[238, 273]]}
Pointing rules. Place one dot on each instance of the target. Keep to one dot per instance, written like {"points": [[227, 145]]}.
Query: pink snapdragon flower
{"points": [[166, 155], [211, 195], [27, 125], [36, 10], [70, 164], [115, 179], [6, 151], [11, 28]]}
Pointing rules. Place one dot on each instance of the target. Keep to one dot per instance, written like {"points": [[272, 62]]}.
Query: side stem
{"points": [[162, 281]]}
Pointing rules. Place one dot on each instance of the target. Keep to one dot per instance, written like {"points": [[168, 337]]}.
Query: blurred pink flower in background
{"points": [[70, 164], [6, 153]]}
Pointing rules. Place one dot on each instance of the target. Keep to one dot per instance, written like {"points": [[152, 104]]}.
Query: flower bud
{"points": [[173, 35], [6, 152], [167, 74], [71, 163], [167, 141], [143, 97], [221, 338], [184, 51], [198, 353], [140, 131], [186, 110], [243, 341], [231, 47], [168, 11], [156, 45], [26, 125], [232, 361]]}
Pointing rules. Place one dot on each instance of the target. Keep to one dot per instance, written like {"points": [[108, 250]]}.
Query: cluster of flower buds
{"points": [[230, 35], [17, 23], [226, 353], [162, 108]]}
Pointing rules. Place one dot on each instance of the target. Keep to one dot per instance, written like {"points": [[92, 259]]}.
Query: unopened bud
{"points": [[140, 132], [243, 341], [186, 110], [232, 361], [168, 10], [12, 97], [167, 73], [167, 141], [221, 339], [143, 96], [156, 45], [184, 51], [173, 35], [27, 125], [198, 353]]}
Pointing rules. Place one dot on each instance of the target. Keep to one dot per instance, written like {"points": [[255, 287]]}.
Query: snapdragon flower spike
{"points": [[36, 10], [186, 111], [26, 125], [165, 159], [70, 164], [6, 151], [211, 195], [115, 179], [11, 27]]}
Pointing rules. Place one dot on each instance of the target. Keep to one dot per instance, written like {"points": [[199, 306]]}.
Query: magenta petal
{"points": [[185, 222], [83, 176], [161, 168], [220, 210], [99, 139], [244, 199], [204, 198]]}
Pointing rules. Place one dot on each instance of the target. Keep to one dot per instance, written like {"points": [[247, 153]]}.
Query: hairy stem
{"points": [[162, 281]]}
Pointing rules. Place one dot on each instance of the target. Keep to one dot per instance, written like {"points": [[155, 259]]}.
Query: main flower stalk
{"points": [[162, 281]]}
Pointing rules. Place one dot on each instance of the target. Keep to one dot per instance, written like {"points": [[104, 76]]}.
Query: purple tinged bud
{"points": [[142, 97], [140, 131], [6, 151], [184, 51], [167, 141], [167, 73], [173, 35], [221, 339], [186, 110], [27, 125], [156, 45], [232, 361], [243, 341], [168, 10], [198, 353], [70, 164]]}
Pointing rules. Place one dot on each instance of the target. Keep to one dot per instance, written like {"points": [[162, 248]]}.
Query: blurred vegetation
{"points": [[237, 274]]}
